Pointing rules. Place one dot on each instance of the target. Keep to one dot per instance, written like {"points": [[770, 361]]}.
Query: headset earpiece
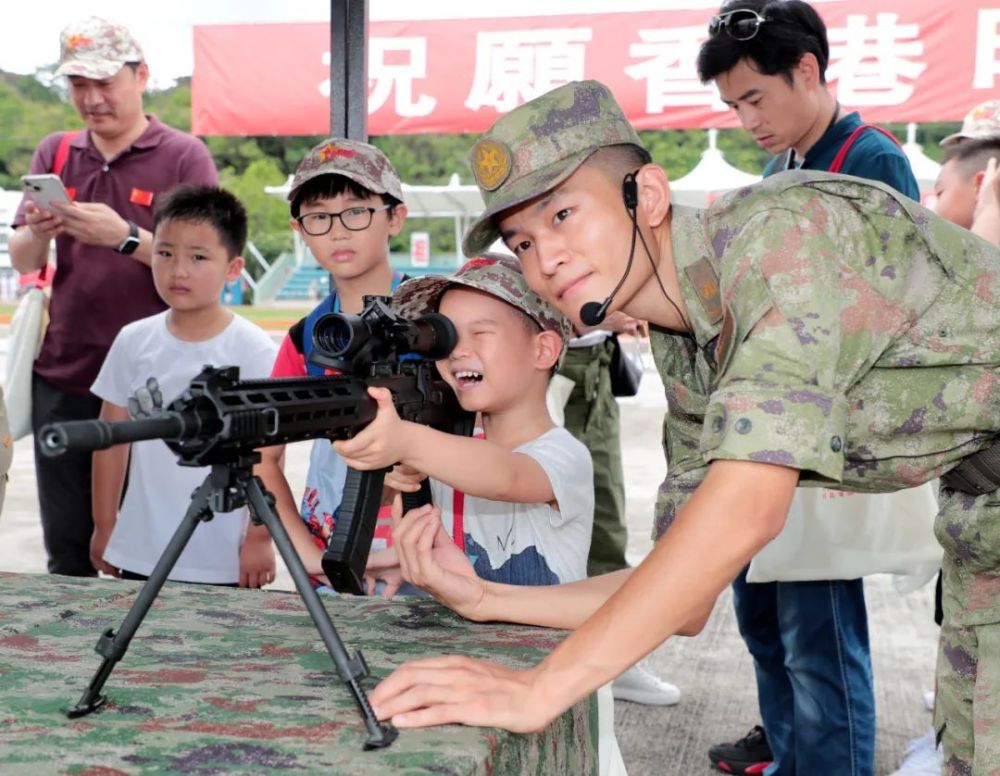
{"points": [[630, 192]]}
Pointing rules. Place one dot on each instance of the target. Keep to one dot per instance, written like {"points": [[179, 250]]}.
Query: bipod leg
{"points": [[351, 669], [113, 645]]}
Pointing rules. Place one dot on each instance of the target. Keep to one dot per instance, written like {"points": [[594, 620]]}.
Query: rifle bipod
{"points": [[227, 487]]}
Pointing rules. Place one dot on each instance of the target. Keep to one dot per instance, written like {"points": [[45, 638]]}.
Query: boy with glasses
{"points": [[346, 202], [809, 638]]}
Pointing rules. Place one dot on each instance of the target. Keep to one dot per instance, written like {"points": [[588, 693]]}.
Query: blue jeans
{"points": [[809, 641]]}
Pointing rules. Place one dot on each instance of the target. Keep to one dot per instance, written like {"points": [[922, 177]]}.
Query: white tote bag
{"points": [[27, 328], [832, 534]]}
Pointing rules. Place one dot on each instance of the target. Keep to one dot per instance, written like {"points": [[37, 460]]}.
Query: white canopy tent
{"points": [[712, 176], [925, 169]]}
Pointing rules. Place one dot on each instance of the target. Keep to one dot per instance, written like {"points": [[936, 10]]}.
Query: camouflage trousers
{"points": [[967, 708], [592, 417]]}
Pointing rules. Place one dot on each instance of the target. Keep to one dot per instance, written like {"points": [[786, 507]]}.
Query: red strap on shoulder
{"points": [[838, 160], [62, 152], [458, 519]]}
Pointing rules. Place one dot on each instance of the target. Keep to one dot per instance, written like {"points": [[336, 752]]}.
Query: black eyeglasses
{"points": [[739, 24], [355, 219]]}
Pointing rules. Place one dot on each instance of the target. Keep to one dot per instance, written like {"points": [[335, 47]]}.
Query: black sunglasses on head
{"points": [[739, 24]]}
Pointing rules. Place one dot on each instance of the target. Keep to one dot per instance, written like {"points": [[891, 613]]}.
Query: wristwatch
{"points": [[130, 243]]}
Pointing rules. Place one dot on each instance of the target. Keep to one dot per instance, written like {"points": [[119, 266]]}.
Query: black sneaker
{"points": [[750, 755]]}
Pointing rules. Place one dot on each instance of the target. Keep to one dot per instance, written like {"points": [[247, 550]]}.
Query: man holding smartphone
{"points": [[113, 171]]}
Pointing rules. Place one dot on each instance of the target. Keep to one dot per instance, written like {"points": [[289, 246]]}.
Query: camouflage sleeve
{"points": [[784, 363], [677, 364]]}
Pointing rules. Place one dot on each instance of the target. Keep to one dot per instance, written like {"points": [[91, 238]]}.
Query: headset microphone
{"points": [[593, 313]]}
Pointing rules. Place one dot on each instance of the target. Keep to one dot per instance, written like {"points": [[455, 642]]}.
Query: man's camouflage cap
{"points": [[982, 122], [494, 274], [362, 163], [95, 48], [537, 146]]}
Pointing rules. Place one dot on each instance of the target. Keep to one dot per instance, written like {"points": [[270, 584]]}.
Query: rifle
{"points": [[221, 421]]}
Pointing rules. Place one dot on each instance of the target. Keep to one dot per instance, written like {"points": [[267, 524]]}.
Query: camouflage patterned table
{"points": [[237, 681]]}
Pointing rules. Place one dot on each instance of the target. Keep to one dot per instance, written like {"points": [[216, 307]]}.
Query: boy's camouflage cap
{"points": [[494, 274], [537, 146], [362, 163], [982, 122], [95, 48]]}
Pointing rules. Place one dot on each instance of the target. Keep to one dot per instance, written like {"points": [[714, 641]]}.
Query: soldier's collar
{"points": [[697, 272]]}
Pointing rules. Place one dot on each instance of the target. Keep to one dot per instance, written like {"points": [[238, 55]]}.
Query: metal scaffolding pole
{"points": [[349, 69]]}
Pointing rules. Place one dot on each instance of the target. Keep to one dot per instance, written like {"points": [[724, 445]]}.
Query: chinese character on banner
{"points": [[420, 249], [987, 49], [513, 67], [670, 71], [387, 73], [875, 65]]}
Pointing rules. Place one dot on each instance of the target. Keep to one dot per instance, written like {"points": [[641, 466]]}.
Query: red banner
{"points": [[904, 60]]}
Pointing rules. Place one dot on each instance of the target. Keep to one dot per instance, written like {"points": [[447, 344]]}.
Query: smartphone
{"points": [[43, 190]]}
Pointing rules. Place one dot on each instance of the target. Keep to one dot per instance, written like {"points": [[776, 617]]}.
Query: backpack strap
{"points": [[58, 163], [62, 151], [838, 160]]}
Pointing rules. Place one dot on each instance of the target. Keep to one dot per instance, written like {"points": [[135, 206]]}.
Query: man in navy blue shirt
{"points": [[809, 639]]}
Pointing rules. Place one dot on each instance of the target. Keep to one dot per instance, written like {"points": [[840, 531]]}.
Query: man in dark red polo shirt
{"points": [[114, 171]]}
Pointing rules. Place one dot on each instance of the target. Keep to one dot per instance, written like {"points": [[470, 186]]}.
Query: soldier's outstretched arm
{"points": [[738, 508]]}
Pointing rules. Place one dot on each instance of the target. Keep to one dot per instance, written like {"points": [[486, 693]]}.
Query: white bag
{"points": [[27, 328], [832, 534], [556, 397]]}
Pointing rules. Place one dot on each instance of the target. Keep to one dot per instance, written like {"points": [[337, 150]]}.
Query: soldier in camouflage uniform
{"points": [[812, 329]]}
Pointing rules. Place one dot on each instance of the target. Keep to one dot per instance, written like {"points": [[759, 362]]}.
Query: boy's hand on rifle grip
{"points": [[404, 479], [382, 442]]}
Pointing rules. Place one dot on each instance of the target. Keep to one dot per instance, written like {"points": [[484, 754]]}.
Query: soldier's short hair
{"points": [[791, 30], [972, 156]]}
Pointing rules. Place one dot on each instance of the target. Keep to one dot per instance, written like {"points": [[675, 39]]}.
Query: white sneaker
{"points": [[640, 686], [923, 758]]}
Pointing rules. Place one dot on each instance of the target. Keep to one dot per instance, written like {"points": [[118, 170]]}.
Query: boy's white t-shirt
{"points": [[531, 544], [159, 489]]}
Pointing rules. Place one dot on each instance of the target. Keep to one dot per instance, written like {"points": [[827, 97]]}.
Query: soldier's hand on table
{"points": [[93, 223], [98, 544], [433, 562], [404, 479], [257, 564], [461, 690], [379, 444]]}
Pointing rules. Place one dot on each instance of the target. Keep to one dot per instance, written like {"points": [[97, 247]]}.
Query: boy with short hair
{"points": [[520, 500], [346, 202], [198, 238]]}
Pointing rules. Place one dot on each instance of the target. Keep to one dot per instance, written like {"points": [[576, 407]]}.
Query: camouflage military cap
{"points": [[95, 48], [493, 274], [362, 163], [537, 146], [981, 122]]}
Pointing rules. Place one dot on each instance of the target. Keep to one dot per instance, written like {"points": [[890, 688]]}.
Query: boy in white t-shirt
{"points": [[519, 501], [198, 236]]}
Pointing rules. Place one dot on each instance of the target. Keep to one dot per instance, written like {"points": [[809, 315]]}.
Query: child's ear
{"points": [[397, 217], [296, 226], [548, 348], [235, 268]]}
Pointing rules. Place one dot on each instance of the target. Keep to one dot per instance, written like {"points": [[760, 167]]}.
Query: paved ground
{"points": [[713, 669]]}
